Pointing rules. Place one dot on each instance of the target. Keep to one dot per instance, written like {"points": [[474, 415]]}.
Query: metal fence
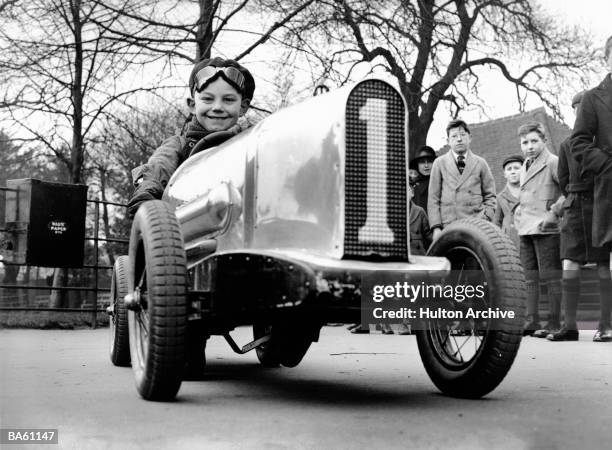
{"points": [[94, 307]]}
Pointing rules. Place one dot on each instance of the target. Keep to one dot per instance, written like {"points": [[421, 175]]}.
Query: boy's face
{"points": [[424, 166], [218, 106], [512, 172], [459, 140], [532, 145]]}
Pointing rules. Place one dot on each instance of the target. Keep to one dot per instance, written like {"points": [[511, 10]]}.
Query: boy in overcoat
{"points": [[536, 220], [461, 184], [591, 144]]}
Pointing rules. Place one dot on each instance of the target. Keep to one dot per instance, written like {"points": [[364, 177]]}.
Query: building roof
{"points": [[496, 139]]}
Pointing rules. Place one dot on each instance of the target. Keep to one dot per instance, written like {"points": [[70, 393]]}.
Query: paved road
{"points": [[351, 391]]}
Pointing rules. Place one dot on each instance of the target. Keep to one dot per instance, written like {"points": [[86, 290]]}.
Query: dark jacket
{"points": [[577, 217], [504, 214], [421, 191], [151, 179], [591, 144], [420, 233]]}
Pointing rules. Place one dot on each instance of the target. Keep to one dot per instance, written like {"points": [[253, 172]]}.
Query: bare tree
{"points": [[438, 49], [163, 30]]}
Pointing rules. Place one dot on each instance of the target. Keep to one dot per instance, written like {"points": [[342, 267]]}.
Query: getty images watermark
{"points": [[460, 299]]}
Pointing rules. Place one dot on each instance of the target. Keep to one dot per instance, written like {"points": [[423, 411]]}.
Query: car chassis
{"points": [[278, 227]]}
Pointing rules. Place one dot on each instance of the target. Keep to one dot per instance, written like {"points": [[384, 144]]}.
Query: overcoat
{"points": [[420, 233], [539, 192], [577, 218], [591, 144], [421, 191], [504, 214], [454, 195]]}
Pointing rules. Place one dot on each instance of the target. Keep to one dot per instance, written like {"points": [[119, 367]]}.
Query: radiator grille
{"points": [[375, 203]]}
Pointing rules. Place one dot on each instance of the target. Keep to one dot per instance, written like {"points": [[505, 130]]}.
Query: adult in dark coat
{"points": [[422, 163], [591, 144], [576, 237]]}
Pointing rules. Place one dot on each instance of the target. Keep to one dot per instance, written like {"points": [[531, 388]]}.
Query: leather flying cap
{"points": [[576, 99], [208, 70], [513, 158]]}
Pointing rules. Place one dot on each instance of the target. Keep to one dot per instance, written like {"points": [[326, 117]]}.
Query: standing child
{"points": [[576, 239], [537, 223], [220, 92], [508, 198], [420, 240]]}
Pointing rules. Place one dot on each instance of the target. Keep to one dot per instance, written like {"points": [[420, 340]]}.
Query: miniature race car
{"points": [[278, 227]]}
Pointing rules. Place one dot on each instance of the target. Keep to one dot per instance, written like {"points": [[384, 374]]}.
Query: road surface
{"points": [[351, 391]]}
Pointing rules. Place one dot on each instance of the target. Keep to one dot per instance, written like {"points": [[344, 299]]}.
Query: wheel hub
{"points": [[133, 300]]}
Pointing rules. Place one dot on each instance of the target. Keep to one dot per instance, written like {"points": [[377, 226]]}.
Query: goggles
{"points": [[231, 74]]}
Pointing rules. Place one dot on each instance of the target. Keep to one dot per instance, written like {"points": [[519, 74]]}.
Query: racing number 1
{"points": [[376, 229]]}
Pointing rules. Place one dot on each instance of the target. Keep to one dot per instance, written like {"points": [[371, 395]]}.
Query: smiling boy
{"points": [[537, 224], [220, 92]]}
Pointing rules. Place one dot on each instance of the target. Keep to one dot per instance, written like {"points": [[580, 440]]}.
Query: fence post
{"points": [[94, 317]]}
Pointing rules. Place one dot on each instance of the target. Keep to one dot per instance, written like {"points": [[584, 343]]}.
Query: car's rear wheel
{"points": [[158, 310], [468, 358], [118, 323], [287, 345]]}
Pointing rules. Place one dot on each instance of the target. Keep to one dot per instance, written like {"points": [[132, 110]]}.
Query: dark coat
{"points": [[504, 214], [577, 221], [591, 144], [421, 191], [420, 233]]}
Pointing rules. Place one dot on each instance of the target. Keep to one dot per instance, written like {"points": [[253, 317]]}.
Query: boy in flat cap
{"points": [[220, 92], [508, 198]]}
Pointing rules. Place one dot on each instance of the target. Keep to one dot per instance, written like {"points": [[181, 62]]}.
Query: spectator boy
{"points": [[576, 237], [591, 144], [422, 163], [508, 198], [461, 184], [537, 223], [220, 92]]}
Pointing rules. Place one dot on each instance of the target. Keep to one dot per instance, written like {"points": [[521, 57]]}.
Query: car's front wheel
{"points": [[157, 301], [468, 358]]}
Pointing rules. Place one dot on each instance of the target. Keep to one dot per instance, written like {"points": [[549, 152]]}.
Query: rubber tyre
{"points": [[158, 268], [268, 354], [286, 347], [118, 323], [501, 339]]}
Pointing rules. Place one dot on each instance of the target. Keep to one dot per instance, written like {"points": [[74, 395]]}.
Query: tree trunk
{"points": [[59, 298], [105, 220], [204, 34]]}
